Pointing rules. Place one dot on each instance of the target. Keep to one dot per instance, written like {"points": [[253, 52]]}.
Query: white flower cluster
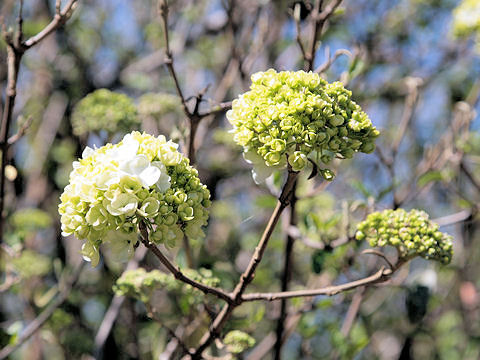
{"points": [[115, 187]]}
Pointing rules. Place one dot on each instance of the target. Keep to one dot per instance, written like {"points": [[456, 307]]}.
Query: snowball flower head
{"points": [[299, 118], [412, 233], [142, 178]]}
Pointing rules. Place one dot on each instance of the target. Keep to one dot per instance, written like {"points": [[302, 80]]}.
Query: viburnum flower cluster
{"points": [[142, 178], [105, 110], [298, 117], [412, 233]]}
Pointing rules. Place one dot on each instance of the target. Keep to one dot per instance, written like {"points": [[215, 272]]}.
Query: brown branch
{"points": [[43, 317], [379, 254], [296, 17], [470, 176], [217, 109], [114, 308], [330, 60], [319, 20], [21, 132], [15, 50], [59, 19], [352, 311], [248, 274], [177, 272], [380, 276], [412, 84], [286, 276]]}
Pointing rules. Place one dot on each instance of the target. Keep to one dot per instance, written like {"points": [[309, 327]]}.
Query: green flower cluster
{"points": [[104, 110], [141, 284], [115, 187], [412, 233], [238, 341], [297, 117]]}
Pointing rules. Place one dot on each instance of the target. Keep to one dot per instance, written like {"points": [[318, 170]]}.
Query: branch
{"points": [[286, 276], [21, 132], [330, 60], [412, 84], [43, 317], [114, 308], [217, 109], [248, 274], [296, 17], [380, 276], [59, 19], [15, 50], [177, 272], [319, 18]]}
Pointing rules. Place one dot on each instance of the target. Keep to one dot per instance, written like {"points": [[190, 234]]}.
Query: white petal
{"points": [[149, 176], [261, 172], [252, 157], [87, 152], [135, 165]]}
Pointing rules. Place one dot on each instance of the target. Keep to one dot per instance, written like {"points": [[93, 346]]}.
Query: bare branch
{"points": [[58, 20], [379, 254], [21, 132], [177, 272], [330, 60], [248, 274], [380, 276], [42, 318], [319, 20]]}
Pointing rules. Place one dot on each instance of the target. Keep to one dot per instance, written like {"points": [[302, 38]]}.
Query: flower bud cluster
{"points": [[141, 284], [297, 117], [104, 110], [115, 187], [412, 233]]}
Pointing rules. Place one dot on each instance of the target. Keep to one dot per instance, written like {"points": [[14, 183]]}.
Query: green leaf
{"points": [[434, 175]]}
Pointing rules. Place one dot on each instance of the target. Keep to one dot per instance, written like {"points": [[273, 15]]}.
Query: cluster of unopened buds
{"points": [[297, 117], [114, 188], [412, 233]]}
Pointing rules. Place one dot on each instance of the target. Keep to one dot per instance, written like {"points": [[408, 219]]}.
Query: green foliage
{"points": [[31, 263], [238, 341], [31, 219], [412, 234], [141, 285], [104, 110], [298, 117]]}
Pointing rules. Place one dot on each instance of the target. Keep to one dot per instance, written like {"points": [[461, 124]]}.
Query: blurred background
{"points": [[413, 66]]}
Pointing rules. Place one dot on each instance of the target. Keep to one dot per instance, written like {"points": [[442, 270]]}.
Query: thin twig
{"points": [[330, 60], [115, 305], [221, 294], [57, 21], [380, 276], [21, 132], [379, 254], [43, 317], [319, 20]]}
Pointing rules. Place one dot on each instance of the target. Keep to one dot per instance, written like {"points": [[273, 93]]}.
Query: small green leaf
{"points": [[434, 175]]}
